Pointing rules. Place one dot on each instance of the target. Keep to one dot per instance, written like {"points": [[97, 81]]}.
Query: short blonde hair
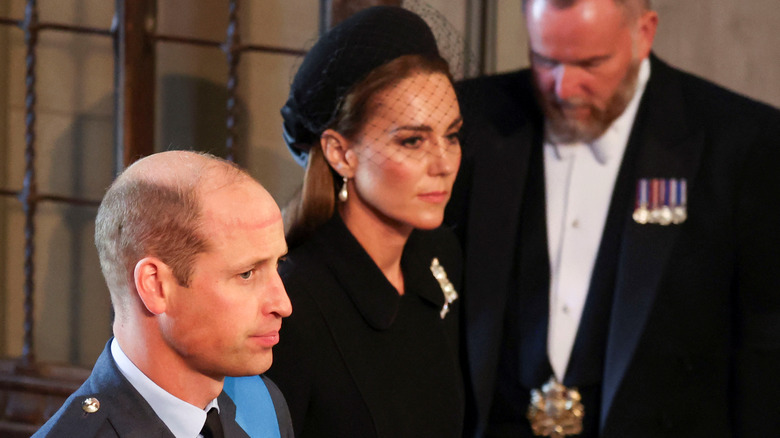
{"points": [[142, 217]]}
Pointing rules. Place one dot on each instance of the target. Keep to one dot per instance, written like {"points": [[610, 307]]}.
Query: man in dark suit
{"points": [[616, 215], [188, 245]]}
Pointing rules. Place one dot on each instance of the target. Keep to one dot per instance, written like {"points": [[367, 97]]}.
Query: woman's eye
{"points": [[246, 275], [412, 142], [454, 138]]}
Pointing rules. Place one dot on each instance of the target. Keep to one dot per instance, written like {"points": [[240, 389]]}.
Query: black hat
{"points": [[340, 59]]}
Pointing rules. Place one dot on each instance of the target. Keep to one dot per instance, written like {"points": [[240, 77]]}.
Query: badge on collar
{"points": [[661, 201], [450, 294]]}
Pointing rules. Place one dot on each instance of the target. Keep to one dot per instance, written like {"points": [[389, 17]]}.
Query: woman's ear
{"points": [[338, 152]]}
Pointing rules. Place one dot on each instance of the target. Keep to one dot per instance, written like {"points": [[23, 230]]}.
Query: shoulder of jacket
{"points": [[81, 415]]}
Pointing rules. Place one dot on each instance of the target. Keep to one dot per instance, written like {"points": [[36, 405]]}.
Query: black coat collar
{"points": [[375, 298]]}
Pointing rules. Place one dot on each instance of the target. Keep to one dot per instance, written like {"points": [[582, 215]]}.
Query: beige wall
{"points": [[73, 137], [734, 43], [191, 83]]}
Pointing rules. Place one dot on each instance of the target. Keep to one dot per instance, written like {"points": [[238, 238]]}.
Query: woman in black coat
{"points": [[371, 349]]}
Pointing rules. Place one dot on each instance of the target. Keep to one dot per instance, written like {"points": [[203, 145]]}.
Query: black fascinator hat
{"points": [[340, 59]]}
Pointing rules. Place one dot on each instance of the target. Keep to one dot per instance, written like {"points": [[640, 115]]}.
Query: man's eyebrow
{"points": [[535, 54], [590, 60], [593, 59]]}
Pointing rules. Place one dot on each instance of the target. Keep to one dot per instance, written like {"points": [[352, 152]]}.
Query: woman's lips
{"points": [[434, 197]]}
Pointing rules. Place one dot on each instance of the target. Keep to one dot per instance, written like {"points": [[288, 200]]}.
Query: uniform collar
{"points": [[182, 418]]}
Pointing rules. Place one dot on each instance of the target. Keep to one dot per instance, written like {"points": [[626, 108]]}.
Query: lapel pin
{"points": [[90, 405]]}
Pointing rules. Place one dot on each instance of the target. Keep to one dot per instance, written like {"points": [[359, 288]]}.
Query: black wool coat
{"points": [[355, 359]]}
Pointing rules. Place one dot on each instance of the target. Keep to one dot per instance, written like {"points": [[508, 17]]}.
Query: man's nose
{"points": [[278, 301], [568, 82]]}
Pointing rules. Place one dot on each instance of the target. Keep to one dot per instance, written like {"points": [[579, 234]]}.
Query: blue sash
{"points": [[255, 411]]}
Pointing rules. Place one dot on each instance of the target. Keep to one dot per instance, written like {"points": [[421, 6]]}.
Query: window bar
{"points": [[163, 38], [11, 21], [43, 25], [29, 193], [134, 80], [233, 54]]}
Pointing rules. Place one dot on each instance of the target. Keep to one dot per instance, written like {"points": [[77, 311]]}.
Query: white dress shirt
{"points": [[183, 419], [579, 180]]}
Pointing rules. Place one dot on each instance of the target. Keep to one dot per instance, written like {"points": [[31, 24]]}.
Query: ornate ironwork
{"points": [[233, 57], [30, 189]]}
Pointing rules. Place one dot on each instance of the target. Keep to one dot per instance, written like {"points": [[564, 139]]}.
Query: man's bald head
{"points": [[632, 8], [153, 209]]}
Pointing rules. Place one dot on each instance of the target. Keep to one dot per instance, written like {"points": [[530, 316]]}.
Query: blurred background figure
{"points": [[613, 211], [371, 348]]}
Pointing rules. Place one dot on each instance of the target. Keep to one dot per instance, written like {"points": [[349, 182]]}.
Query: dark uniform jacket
{"points": [[355, 359], [124, 413], [686, 339]]}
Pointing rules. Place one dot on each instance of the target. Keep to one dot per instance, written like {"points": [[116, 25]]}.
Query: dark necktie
{"points": [[213, 427]]}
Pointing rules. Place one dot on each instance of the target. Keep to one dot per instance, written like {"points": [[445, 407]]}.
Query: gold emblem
{"points": [[90, 405], [450, 294], [555, 411]]}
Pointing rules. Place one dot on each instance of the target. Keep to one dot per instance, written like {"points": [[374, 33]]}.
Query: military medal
{"points": [[655, 201], [641, 213], [661, 201], [450, 294], [679, 211], [665, 214], [555, 410]]}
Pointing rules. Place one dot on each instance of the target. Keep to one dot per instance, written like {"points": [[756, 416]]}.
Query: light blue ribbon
{"points": [[255, 411]]}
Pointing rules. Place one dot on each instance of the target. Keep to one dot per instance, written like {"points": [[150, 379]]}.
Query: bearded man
{"points": [[615, 216]]}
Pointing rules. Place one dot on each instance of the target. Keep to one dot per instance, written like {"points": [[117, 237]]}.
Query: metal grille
{"points": [[134, 39]]}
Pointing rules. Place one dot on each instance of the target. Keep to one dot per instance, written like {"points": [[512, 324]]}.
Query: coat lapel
{"points": [[666, 148]]}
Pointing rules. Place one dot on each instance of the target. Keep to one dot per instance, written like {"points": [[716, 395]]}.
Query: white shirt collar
{"points": [[182, 418], [612, 143]]}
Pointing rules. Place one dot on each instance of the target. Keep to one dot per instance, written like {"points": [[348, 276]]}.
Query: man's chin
{"points": [[578, 114], [567, 131]]}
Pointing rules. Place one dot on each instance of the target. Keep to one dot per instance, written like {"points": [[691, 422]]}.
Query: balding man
{"points": [[616, 215], [188, 245]]}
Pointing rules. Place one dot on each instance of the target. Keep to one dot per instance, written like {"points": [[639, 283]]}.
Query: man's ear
{"points": [[648, 23], [153, 278], [338, 152]]}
